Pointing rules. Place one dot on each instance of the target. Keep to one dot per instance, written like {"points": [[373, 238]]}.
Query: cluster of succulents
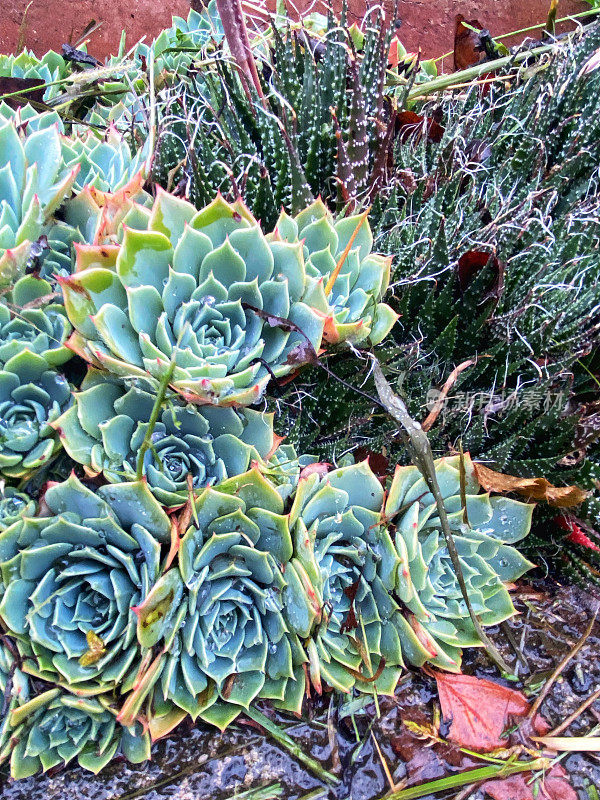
{"points": [[206, 302], [129, 613], [192, 562]]}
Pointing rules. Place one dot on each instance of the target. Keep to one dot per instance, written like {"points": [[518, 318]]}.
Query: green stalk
{"points": [[466, 778], [570, 18], [445, 82], [160, 399], [417, 443], [270, 792], [286, 741]]}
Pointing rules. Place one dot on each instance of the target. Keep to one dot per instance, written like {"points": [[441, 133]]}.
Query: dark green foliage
{"points": [[512, 183], [319, 131]]}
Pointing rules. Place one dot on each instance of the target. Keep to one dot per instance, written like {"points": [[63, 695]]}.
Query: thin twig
{"points": [[286, 741], [570, 719], [441, 398], [559, 669]]}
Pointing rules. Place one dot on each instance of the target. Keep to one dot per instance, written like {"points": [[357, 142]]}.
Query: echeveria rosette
{"points": [[203, 294], [14, 686], [105, 427], [438, 625], [14, 505], [238, 611], [51, 69], [345, 554], [181, 291], [352, 307], [29, 321], [32, 397], [176, 48], [56, 728], [71, 578], [34, 181]]}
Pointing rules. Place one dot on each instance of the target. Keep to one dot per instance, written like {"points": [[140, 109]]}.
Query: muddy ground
{"points": [[197, 764]]}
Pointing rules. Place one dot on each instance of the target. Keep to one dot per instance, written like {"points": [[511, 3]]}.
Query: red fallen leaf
{"points": [[379, 463], [472, 262], [554, 786], [480, 710], [33, 91], [466, 43], [409, 125]]}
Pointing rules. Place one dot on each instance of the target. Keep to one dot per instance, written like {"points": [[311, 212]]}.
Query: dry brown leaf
{"points": [[531, 488]]}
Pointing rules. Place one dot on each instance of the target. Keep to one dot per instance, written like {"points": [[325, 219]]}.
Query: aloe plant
{"points": [[203, 301], [190, 448], [32, 397], [70, 579], [437, 623], [344, 552], [299, 115], [228, 615], [56, 728]]}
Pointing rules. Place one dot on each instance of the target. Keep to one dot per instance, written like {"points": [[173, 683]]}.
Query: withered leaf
{"points": [[467, 43], [33, 91], [531, 488]]}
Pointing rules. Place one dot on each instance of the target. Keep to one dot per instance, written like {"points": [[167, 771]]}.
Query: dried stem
{"points": [[417, 444], [559, 669]]}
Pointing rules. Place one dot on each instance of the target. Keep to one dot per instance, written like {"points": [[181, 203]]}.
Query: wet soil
{"points": [[426, 24], [197, 764]]}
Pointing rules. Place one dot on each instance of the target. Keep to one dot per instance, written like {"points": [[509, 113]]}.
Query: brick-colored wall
{"points": [[428, 24]]}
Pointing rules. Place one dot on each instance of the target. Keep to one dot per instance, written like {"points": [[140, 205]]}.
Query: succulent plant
{"points": [[32, 396], [30, 321], [71, 577], [14, 505], [105, 427], [204, 301], [107, 161], [14, 684], [437, 624], [176, 48], [238, 613], [50, 68], [34, 180], [351, 304], [56, 728], [345, 554]]}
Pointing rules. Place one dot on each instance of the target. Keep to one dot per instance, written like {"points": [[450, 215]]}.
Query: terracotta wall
{"points": [[427, 24]]}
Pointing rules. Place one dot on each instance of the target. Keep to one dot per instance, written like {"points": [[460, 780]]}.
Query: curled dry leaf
{"points": [[531, 488], [466, 43]]}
